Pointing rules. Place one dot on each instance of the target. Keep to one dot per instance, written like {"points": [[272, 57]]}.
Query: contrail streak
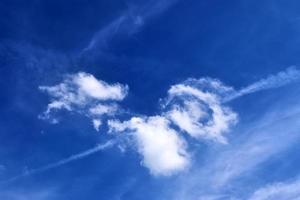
{"points": [[128, 23], [62, 162], [290, 75]]}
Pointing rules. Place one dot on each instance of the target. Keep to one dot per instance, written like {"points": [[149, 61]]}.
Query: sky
{"points": [[157, 99]]}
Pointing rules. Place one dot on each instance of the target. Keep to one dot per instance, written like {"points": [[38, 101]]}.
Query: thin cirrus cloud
{"points": [[259, 147], [85, 94], [290, 75], [270, 136], [196, 107], [36, 194], [79, 156], [128, 23], [282, 191]]}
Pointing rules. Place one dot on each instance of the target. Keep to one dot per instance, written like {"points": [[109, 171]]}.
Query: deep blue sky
{"points": [[158, 44]]}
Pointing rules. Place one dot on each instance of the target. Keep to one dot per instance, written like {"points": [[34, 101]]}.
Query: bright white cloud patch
{"points": [[195, 107], [163, 151], [97, 123], [85, 94], [89, 86]]}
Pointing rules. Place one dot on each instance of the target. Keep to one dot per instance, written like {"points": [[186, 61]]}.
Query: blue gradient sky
{"points": [[150, 46]]}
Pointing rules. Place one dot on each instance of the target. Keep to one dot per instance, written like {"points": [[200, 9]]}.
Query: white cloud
{"points": [[101, 109], [97, 123], [196, 108], [163, 151], [226, 170], [85, 94], [89, 86], [282, 191]]}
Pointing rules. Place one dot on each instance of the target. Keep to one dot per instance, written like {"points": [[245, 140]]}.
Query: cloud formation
{"points": [[162, 149], [290, 75], [231, 167], [128, 23], [32, 194], [62, 162], [85, 94], [282, 191], [196, 108]]}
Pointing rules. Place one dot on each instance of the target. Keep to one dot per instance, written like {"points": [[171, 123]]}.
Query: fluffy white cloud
{"points": [[89, 86], [163, 151], [80, 89], [195, 106], [97, 123], [85, 94]]}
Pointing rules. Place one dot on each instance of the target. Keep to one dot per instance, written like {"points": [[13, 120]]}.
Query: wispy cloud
{"points": [[195, 106], [128, 23], [62, 162], [290, 75], [280, 190], [32, 194], [85, 94], [229, 167], [224, 172], [257, 148]]}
